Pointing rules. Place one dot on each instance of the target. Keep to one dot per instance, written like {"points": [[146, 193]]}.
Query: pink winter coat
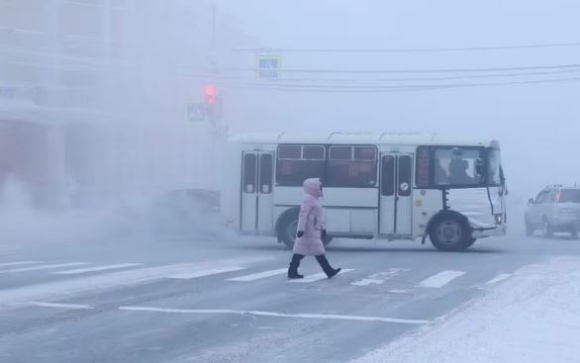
{"points": [[310, 220]]}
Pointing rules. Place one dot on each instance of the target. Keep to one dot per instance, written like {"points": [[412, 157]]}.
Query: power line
{"points": [[391, 89], [407, 71], [408, 50], [341, 81]]}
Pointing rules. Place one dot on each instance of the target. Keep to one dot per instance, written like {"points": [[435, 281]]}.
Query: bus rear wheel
{"points": [[288, 229], [450, 233]]}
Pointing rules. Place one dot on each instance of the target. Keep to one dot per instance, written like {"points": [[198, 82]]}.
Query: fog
{"points": [[532, 121], [113, 88]]}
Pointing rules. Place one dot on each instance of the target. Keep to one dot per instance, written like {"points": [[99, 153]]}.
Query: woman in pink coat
{"points": [[310, 231]]}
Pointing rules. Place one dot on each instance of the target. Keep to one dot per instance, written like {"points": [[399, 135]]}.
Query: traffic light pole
{"points": [[213, 26], [213, 59], [218, 130], [215, 114]]}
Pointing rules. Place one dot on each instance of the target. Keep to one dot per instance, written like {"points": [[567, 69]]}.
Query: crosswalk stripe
{"points": [[45, 267], [379, 278], [20, 263], [498, 278], [195, 273], [317, 277], [400, 291], [61, 306], [259, 275], [441, 279], [75, 286], [95, 269]]}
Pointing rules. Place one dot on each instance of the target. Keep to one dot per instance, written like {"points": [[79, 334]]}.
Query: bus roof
{"points": [[387, 138]]}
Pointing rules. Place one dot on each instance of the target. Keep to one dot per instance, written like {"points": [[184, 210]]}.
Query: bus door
{"points": [[256, 212], [396, 200]]}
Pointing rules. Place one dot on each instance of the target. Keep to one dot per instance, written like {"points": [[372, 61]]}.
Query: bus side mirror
{"points": [[531, 201]]}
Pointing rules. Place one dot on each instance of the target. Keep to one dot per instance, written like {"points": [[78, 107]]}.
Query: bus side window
{"points": [[352, 166], [388, 176], [299, 162], [423, 168], [250, 173], [405, 174], [266, 173]]}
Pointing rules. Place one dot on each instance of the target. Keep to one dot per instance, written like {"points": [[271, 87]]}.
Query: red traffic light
{"points": [[210, 93], [210, 90]]}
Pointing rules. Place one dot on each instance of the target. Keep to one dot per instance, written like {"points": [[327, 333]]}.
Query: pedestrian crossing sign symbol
{"points": [[196, 112], [268, 66]]}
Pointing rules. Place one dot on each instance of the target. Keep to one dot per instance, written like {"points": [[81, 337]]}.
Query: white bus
{"points": [[376, 186]]}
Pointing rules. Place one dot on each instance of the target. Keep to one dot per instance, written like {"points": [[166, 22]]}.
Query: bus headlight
{"points": [[498, 219]]}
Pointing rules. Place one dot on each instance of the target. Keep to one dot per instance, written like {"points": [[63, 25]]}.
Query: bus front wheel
{"points": [[450, 233]]}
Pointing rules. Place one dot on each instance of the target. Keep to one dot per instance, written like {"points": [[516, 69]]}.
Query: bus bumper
{"points": [[497, 231]]}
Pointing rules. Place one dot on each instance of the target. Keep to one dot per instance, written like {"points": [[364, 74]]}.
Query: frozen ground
{"points": [[533, 317]]}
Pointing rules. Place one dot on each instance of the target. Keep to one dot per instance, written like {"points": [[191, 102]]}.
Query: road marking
{"points": [[260, 275], [45, 267], [60, 306], [498, 278], [441, 279], [10, 264], [274, 314], [379, 278], [95, 269], [317, 277], [79, 285], [204, 272], [400, 291]]}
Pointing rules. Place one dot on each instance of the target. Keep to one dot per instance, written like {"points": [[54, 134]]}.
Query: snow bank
{"points": [[533, 317]]}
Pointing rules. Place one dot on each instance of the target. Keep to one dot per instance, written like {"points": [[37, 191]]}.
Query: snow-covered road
{"points": [[534, 317]]}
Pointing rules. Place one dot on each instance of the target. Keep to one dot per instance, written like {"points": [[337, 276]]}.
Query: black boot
{"points": [[293, 269], [328, 270]]}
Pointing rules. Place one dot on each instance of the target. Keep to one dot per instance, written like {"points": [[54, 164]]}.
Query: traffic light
{"points": [[212, 102], [210, 95]]}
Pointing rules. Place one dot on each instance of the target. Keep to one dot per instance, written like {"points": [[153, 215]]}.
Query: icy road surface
{"points": [[228, 300]]}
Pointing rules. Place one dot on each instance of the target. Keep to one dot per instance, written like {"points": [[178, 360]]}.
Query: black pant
{"points": [[322, 261]]}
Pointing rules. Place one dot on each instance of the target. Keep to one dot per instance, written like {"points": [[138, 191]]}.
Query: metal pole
{"points": [[213, 31], [213, 58], [214, 127]]}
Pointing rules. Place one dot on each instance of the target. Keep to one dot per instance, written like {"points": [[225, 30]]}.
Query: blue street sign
{"points": [[268, 66]]}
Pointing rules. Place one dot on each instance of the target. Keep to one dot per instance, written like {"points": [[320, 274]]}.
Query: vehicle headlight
{"points": [[498, 219]]}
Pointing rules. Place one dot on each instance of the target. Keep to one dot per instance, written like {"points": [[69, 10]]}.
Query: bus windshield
{"points": [[458, 167]]}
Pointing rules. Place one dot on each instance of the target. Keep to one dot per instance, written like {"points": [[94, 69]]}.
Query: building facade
{"points": [[94, 94]]}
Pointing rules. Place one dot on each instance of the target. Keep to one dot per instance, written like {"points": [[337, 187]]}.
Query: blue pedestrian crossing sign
{"points": [[268, 66], [196, 112]]}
